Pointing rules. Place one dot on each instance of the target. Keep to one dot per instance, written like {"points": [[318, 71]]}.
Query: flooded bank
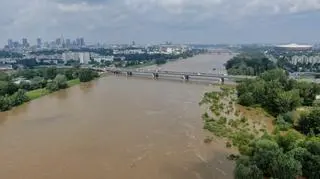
{"points": [[114, 128]]}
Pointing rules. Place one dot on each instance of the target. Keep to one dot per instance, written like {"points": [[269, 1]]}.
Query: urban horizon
{"points": [[82, 41]]}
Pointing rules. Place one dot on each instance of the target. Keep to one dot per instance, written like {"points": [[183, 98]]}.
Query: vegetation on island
{"points": [[249, 63], [21, 86], [292, 149]]}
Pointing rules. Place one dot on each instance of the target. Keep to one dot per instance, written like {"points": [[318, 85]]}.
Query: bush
{"points": [[310, 123], [246, 99], [86, 75], [52, 86], [18, 98], [61, 81]]}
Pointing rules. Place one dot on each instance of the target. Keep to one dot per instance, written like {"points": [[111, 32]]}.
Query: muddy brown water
{"points": [[114, 128]]}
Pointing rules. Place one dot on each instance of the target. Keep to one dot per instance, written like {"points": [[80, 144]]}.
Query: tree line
{"points": [[249, 63], [13, 87]]}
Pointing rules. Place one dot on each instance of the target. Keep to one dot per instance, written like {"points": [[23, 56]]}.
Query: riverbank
{"points": [[38, 93]]}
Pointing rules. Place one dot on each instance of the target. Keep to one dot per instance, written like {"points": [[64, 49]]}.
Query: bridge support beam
{"points": [[155, 75], [129, 73], [185, 77], [222, 80], [116, 72]]}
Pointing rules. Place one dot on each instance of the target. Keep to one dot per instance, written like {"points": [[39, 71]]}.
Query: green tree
{"points": [[247, 169], [289, 140], [38, 82], [247, 99], [50, 73], [86, 75], [61, 81], [287, 101], [7, 88], [25, 85], [4, 76], [18, 98], [52, 86], [285, 167], [265, 151], [70, 74], [310, 123]]}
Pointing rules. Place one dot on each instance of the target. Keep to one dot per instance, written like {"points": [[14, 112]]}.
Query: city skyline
{"points": [[146, 21]]}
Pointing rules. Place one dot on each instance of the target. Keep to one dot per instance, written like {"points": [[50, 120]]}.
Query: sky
{"points": [[156, 21]]}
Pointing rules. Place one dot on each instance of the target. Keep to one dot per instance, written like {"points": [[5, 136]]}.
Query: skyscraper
{"points": [[82, 42], [78, 42], [39, 43], [10, 43], [58, 42], [25, 42], [68, 42]]}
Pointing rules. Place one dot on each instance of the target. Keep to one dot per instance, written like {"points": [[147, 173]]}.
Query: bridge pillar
{"points": [[185, 77], [129, 73], [222, 80], [116, 72], [155, 75]]}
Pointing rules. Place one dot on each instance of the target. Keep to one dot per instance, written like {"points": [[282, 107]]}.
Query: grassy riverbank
{"points": [[262, 118], [35, 94]]}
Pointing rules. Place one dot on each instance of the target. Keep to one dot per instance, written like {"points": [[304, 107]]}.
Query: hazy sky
{"points": [[153, 21]]}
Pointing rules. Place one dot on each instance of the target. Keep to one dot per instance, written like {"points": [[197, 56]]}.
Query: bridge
{"points": [[186, 76], [219, 51]]}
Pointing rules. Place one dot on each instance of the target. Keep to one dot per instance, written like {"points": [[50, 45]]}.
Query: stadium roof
{"points": [[294, 46]]}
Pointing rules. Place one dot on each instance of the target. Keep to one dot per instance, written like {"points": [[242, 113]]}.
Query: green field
{"points": [[73, 82], [34, 94]]}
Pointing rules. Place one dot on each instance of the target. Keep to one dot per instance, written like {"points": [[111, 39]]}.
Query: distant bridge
{"points": [[219, 51]]}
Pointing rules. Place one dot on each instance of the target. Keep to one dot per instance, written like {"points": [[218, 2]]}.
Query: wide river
{"points": [[115, 128]]}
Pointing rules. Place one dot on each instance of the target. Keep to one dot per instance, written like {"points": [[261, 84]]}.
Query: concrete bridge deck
{"points": [[156, 74]]}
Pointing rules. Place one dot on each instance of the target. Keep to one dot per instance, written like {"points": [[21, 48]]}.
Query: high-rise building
{"points": [[68, 42], [84, 57], [25, 42], [39, 42], [78, 42], [58, 42], [82, 42], [10, 43]]}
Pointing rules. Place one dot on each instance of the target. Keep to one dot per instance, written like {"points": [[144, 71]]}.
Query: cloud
{"points": [[80, 7], [141, 18]]}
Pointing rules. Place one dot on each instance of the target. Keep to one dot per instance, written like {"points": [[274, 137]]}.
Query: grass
{"points": [[34, 94], [73, 82]]}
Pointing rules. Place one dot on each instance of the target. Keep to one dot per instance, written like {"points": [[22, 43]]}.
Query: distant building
{"points": [[84, 57], [58, 42], [10, 43], [67, 56], [39, 43], [104, 58], [25, 42], [68, 42], [82, 42]]}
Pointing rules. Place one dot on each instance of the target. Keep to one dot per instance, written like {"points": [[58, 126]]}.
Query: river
{"points": [[115, 128]]}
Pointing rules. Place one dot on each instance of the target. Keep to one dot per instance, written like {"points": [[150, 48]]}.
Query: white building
{"points": [[67, 56], [103, 58], [82, 57]]}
